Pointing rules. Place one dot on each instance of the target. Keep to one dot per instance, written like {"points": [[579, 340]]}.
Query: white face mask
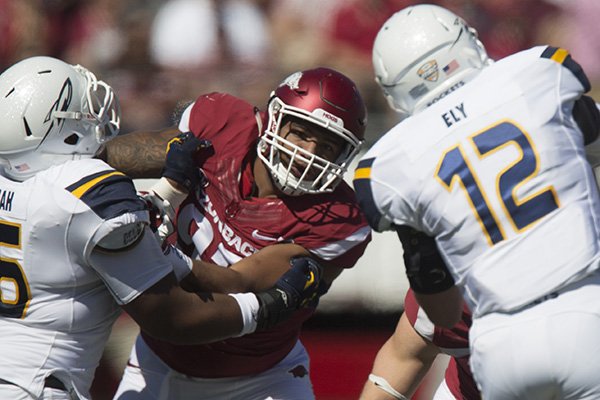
{"points": [[317, 175]]}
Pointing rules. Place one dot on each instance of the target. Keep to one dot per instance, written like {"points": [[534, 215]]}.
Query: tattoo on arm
{"points": [[139, 154]]}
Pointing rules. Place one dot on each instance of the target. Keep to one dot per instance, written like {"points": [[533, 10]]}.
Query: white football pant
{"points": [[156, 381], [546, 351]]}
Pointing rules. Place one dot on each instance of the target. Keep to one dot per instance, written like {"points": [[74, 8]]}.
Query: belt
{"points": [[51, 382]]}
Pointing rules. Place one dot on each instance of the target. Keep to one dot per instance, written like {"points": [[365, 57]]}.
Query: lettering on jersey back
{"points": [[454, 115], [446, 92], [6, 199]]}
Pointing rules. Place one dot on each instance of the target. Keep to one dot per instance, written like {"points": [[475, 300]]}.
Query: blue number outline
{"points": [[454, 166]]}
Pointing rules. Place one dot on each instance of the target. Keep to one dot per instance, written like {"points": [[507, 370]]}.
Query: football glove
{"points": [[185, 155], [162, 215], [297, 288]]}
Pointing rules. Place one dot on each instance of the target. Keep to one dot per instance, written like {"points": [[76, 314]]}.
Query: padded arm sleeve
{"points": [[426, 270], [130, 272]]}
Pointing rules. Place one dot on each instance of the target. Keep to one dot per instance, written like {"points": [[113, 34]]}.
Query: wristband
{"points": [[249, 307]]}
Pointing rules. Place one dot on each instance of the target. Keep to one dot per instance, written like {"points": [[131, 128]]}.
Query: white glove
{"points": [[165, 212]]}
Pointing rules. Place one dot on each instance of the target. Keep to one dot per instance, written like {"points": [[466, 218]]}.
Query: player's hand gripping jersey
{"points": [[482, 176], [56, 311], [225, 222]]}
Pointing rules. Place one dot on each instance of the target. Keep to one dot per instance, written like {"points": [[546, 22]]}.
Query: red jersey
{"points": [[454, 342], [223, 223]]}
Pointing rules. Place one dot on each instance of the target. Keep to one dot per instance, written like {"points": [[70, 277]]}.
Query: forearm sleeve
{"points": [[425, 269]]}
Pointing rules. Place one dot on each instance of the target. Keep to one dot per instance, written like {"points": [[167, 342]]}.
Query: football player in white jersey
{"points": [[75, 242], [487, 184], [403, 361]]}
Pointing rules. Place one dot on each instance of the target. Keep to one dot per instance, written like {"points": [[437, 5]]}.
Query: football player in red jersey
{"points": [[403, 361], [272, 188]]}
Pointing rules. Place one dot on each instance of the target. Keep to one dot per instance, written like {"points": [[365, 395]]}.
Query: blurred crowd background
{"points": [[156, 53], [159, 54]]}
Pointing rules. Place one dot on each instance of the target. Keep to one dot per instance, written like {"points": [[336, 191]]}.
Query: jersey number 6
{"points": [[14, 288], [455, 168]]}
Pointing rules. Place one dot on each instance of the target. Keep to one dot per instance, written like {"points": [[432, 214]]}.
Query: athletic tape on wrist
{"points": [[384, 385], [249, 307], [163, 189]]}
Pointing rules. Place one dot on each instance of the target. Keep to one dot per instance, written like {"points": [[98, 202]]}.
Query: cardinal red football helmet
{"points": [[322, 97]]}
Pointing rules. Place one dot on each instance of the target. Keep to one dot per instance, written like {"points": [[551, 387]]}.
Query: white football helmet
{"points": [[52, 112], [322, 97], [422, 53]]}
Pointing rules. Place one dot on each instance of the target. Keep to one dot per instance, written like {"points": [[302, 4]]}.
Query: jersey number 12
{"points": [[455, 168]]}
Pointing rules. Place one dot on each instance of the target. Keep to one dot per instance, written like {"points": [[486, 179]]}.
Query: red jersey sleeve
{"points": [[212, 113], [454, 341]]}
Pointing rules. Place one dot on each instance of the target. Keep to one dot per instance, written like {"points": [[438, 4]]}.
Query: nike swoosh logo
{"points": [[256, 235]]}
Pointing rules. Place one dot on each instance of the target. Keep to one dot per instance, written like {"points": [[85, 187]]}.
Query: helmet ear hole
{"points": [[72, 140]]}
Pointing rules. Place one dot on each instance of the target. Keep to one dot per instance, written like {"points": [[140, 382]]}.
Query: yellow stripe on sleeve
{"points": [[362, 173], [80, 191], [560, 55]]}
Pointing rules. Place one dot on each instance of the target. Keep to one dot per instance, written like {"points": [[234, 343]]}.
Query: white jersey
{"points": [[56, 308], [496, 172]]}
